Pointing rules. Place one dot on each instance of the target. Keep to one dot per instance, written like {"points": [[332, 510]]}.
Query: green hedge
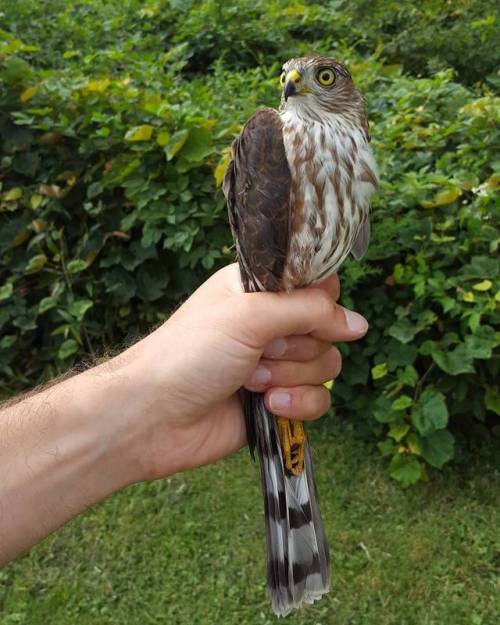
{"points": [[114, 138]]}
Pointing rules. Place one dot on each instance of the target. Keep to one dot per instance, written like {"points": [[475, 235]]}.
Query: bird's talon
{"points": [[293, 438]]}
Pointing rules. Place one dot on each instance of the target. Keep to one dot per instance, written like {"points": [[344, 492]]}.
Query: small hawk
{"points": [[298, 191]]}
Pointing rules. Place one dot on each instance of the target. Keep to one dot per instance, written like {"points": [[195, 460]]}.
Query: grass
{"points": [[190, 550]]}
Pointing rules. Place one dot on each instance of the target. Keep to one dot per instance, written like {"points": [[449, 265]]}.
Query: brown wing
{"points": [[257, 188]]}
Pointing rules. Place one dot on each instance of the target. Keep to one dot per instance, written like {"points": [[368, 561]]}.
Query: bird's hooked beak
{"points": [[292, 82]]}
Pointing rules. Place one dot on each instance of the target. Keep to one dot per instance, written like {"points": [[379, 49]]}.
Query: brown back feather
{"points": [[257, 188]]}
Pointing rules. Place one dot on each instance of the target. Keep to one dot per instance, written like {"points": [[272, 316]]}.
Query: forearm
{"points": [[61, 451]]}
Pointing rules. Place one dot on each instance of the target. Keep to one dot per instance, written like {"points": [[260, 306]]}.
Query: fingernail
{"points": [[276, 348], [279, 400], [260, 377], [355, 322]]}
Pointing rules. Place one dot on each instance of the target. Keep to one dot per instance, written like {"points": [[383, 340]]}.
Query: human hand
{"points": [[168, 403], [183, 378]]}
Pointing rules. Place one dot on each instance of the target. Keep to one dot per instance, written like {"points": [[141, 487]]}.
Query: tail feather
{"points": [[298, 561]]}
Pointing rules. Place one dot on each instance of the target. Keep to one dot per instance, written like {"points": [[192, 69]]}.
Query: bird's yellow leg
{"points": [[293, 441]]}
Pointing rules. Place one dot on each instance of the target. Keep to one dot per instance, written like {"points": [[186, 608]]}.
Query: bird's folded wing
{"points": [[362, 240], [257, 188]]}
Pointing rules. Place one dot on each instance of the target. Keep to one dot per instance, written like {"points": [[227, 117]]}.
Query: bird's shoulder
{"points": [[264, 117], [261, 137]]}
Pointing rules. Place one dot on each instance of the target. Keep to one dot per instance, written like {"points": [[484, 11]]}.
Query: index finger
{"points": [[266, 316], [331, 285]]}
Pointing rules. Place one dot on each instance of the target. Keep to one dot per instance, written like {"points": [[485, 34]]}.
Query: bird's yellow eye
{"points": [[325, 77], [282, 78]]}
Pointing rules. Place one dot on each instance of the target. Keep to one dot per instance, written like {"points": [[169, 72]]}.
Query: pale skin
{"points": [[168, 403]]}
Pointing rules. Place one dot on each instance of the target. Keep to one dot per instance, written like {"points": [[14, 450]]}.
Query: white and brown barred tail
{"points": [[298, 566]]}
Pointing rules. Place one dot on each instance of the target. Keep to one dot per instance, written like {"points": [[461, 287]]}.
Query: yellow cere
{"points": [[294, 76]]}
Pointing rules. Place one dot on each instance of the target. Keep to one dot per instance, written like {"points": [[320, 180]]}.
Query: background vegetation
{"points": [[115, 119]]}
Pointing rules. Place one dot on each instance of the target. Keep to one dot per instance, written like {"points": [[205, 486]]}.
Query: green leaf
{"points": [[413, 444], [438, 448], [398, 430], [78, 308], [482, 343], [26, 163], [379, 371], [139, 133], [151, 283], [455, 361], [163, 138], [383, 411], [403, 330], [399, 355], [62, 329], [36, 263], [408, 376], [68, 348], [485, 285], [76, 265], [7, 341], [176, 142], [28, 93], [120, 285], [36, 201], [16, 70], [402, 402], [197, 145], [6, 290], [13, 194], [481, 267], [430, 413], [46, 304], [222, 166], [387, 447], [94, 189], [446, 196], [492, 399], [406, 469]]}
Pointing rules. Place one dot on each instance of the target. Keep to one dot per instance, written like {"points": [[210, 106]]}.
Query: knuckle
{"points": [[244, 305], [294, 372], [285, 372], [311, 348], [240, 316]]}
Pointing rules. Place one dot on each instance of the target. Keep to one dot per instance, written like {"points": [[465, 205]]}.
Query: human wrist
{"points": [[148, 430], [113, 405], [90, 414]]}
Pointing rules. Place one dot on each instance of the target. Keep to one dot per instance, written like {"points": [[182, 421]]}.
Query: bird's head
{"points": [[316, 86]]}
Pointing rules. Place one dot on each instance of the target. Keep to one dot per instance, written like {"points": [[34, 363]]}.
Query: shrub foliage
{"points": [[114, 124]]}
